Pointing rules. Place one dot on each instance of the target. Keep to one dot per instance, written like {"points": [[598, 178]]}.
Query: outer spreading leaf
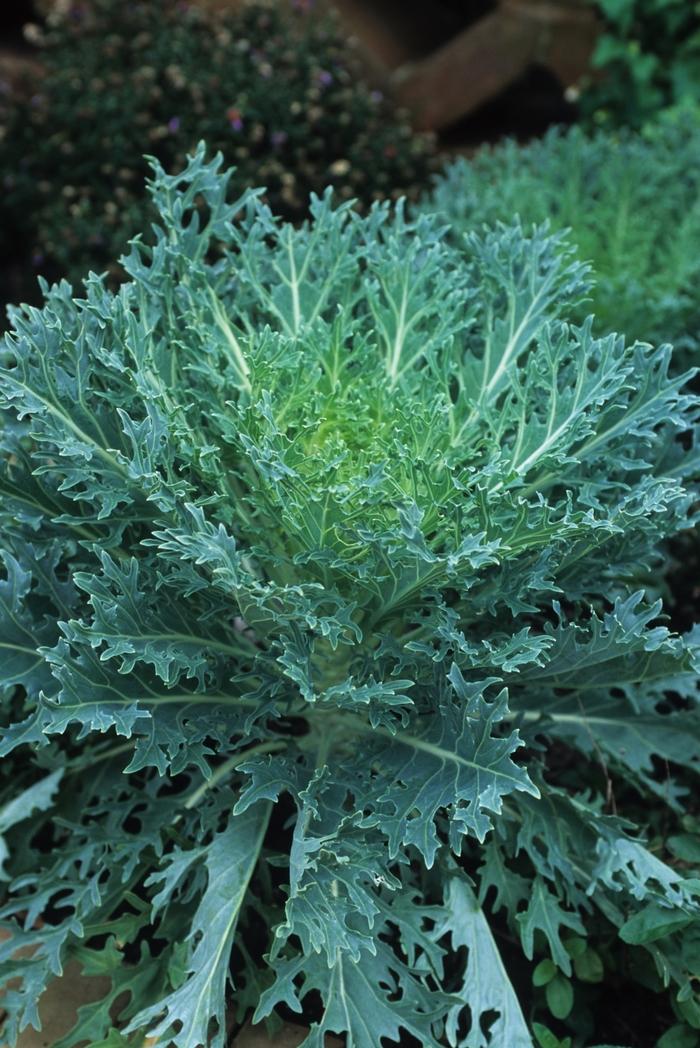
{"points": [[357, 996], [544, 914], [230, 862], [487, 987]]}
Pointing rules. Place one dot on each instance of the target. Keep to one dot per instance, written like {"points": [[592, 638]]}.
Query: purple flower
{"points": [[376, 96], [325, 78], [37, 258], [278, 138], [235, 118], [174, 124]]}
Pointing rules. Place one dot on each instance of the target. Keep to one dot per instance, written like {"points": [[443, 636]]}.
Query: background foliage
{"points": [[334, 664], [647, 58], [630, 203], [276, 87]]}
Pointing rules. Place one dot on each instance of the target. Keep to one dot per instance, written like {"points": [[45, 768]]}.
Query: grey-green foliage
{"points": [[313, 556], [631, 203]]}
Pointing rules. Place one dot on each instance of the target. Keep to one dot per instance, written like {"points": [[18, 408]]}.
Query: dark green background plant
{"points": [[277, 87], [647, 58], [333, 660]]}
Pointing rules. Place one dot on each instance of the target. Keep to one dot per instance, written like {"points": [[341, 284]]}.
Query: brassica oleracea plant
{"points": [[631, 203], [334, 681]]}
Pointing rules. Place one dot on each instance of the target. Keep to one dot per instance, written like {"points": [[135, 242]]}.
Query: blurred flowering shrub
{"points": [[276, 88]]}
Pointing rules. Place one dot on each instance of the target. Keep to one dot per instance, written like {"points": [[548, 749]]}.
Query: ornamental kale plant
{"points": [[277, 87], [334, 682], [631, 203]]}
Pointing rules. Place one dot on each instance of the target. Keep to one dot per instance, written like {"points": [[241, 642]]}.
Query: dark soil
{"points": [[533, 103]]}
